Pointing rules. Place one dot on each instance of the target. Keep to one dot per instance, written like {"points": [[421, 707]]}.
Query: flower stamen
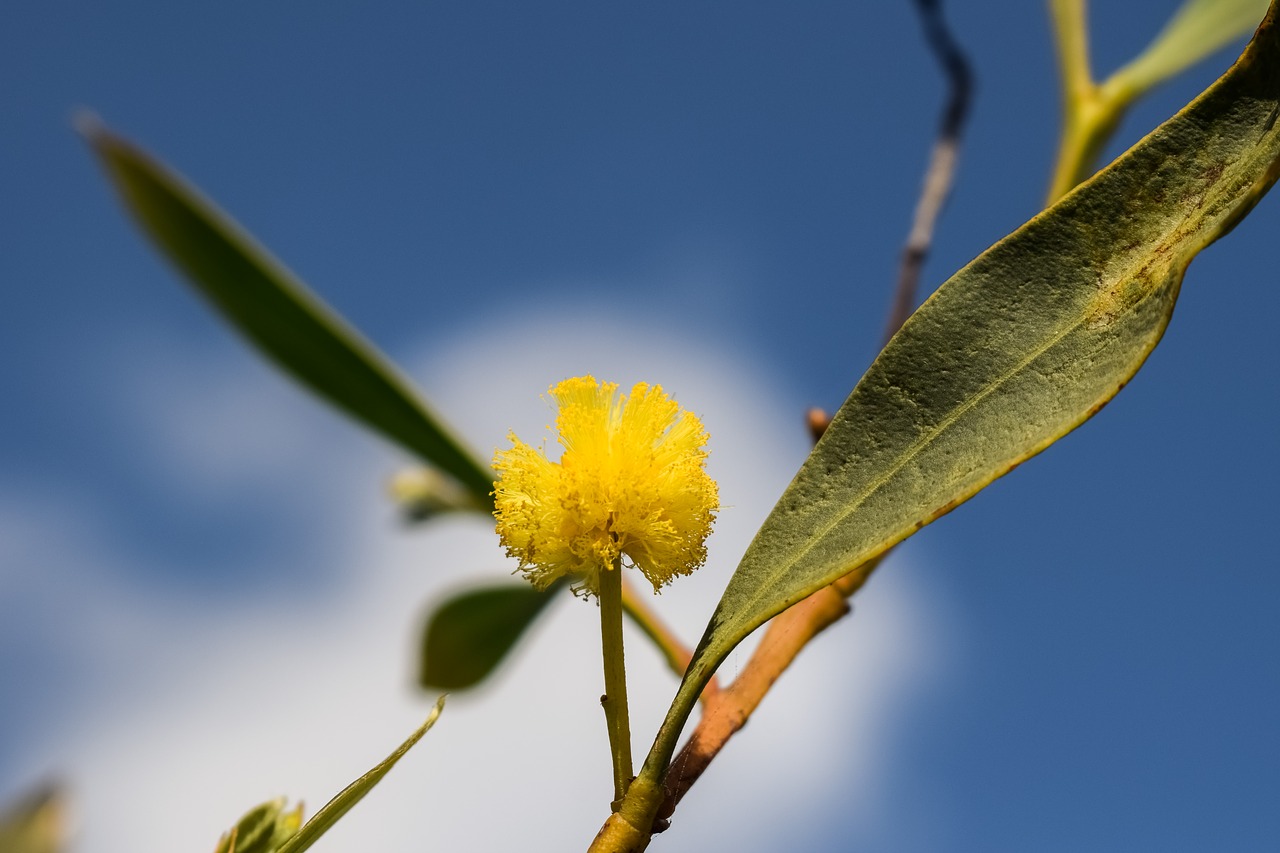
{"points": [[630, 483]]}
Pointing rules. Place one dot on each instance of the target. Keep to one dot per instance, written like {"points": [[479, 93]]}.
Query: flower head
{"points": [[630, 483]]}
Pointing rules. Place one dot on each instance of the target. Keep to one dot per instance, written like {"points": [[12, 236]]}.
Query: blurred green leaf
{"points": [[262, 830], [35, 824], [468, 635], [1092, 112], [277, 313], [354, 793], [1197, 29], [1017, 349]]}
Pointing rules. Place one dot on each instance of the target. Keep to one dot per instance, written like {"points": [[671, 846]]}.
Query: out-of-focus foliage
{"points": [[1196, 30], [268, 828], [262, 830], [1092, 111], [277, 313], [468, 635], [34, 824]]}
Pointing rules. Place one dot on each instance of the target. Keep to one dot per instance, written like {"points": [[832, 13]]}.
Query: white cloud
{"points": [[199, 711]]}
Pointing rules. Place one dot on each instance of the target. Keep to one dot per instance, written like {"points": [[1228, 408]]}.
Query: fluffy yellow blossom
{"points": [[630, 483]]}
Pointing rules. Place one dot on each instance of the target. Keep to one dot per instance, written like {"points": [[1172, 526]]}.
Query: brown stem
{"points": [[674, 651], [792, 630], [727, 711]]}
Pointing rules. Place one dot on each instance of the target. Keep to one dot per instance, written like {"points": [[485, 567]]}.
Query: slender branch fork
{"points": [[726, 709]]}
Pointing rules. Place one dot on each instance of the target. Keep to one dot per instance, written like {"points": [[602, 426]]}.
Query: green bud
{"points": [[263, 829], [424, 493]]}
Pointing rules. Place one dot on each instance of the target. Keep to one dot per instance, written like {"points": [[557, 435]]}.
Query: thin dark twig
{"points": [[942, 161], [938, 177], [729, 708], [726, 710]]}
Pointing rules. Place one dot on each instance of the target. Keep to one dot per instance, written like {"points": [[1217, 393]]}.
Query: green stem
{"points": [[614, 700], [1071, 37], [1079, 94], [1090, 112]]}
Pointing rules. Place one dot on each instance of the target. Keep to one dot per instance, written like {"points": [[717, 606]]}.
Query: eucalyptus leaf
{"points": [[467, 636], [1197, 29], [324, 819], [34, 824], [1018, 348], [276, 312]]}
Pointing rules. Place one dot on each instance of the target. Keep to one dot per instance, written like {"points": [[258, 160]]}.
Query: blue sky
{"points": [[1082, 658]]}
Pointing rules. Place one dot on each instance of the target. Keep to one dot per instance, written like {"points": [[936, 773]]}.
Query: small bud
{"points": [[263, 829], [424, 493], [817, 420]]}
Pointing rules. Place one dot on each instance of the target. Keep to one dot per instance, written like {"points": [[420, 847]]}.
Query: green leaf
{"points": [[276, 312], [1017, 349], [35, 824], [468, 635], [262, 830], [1197, 29], [354, 793]]}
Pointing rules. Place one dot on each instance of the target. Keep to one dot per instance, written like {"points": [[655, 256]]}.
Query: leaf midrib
{"points": [[946, 423]]}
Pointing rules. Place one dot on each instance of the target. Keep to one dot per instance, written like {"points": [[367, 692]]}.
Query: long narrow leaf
{"points": [[321, 822], [1017, 349], [276, 312], [1197, 29]]}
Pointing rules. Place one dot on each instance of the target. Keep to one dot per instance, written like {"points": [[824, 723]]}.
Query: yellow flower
{"points": [[630, 482]]}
